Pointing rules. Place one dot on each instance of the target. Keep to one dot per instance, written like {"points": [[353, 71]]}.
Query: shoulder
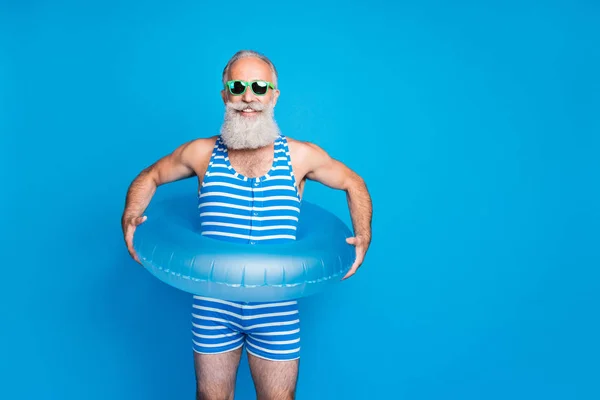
{"points": [[201, 144], [197, 149], [307, 157], [305, 151]]}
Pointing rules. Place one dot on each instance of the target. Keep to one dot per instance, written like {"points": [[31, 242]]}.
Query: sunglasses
{"points": [[259, 88]]}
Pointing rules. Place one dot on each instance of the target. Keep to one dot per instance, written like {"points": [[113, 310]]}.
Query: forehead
{"points": [[250, 68]]}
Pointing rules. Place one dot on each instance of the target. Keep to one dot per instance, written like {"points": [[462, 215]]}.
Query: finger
{"points": [[133, 254], [359, 258], [139, 220], [351, 240], [129, 240], [356, 265], [131, 251], [350, 272], [129, 236]]}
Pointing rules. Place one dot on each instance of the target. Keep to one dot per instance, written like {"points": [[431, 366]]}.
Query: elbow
{"points": [[354, 183], [149, 176]]}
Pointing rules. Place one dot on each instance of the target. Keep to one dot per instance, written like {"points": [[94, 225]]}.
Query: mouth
{"points": [[248, 112]]}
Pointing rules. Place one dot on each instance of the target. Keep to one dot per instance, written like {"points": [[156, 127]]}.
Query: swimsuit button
{"points": [[252, 242], [255, 213]]}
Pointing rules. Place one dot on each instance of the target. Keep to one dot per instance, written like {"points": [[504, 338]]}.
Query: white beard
{"points": [[239, 132]]}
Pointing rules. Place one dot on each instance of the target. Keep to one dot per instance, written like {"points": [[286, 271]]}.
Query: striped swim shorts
{"points": [[269, 330]]}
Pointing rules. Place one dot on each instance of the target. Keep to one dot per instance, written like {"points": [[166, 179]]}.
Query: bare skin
{"points": [[216, 373]]}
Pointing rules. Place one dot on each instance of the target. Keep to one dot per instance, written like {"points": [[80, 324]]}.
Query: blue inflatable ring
{"points": [[170, 246]]}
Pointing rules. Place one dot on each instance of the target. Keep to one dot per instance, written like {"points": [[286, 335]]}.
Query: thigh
{"points": [[216, 374], [274, 380], [214, 330], [217, 343], [273, 346], [273, 330]]}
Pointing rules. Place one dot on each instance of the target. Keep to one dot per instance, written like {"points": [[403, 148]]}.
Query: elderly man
{"points": [[249, 161]]}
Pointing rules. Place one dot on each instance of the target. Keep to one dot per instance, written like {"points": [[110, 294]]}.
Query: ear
{"points": [[275, 96], [224, 96]]}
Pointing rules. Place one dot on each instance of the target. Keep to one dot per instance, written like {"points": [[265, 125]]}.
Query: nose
{"points": [[248, 95]]}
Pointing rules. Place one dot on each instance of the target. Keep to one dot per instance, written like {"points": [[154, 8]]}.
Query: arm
{"points": [[334, 174], [170, 168], [173, 167]]}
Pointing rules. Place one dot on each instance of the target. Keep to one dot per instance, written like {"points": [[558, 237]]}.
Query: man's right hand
{"points": [[129, 226]]}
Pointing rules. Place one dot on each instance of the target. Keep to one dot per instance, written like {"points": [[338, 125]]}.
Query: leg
{"points": [[273, 347], [217, 344], [274, 380], [216, 374]]}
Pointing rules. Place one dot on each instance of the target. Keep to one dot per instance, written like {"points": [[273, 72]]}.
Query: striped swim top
{"points": [[252, 210]]}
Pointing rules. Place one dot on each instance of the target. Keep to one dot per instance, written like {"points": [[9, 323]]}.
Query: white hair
{"points": [[249, 53], [239, 132]]}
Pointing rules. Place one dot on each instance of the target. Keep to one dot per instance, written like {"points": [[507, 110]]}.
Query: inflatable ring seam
{"points": [[188, 277]]}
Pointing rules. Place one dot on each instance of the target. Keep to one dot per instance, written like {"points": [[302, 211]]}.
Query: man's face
{"points": [[251, 69], [249, 121]]}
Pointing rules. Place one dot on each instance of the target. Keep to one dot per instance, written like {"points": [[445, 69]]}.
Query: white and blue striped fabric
{"points": [[250, 210]]}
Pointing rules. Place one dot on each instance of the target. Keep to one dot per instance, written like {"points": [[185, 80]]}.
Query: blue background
{"points": [[475, 125]]}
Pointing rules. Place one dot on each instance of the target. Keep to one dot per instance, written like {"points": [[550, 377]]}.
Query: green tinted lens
{"points": [[260, 87]]}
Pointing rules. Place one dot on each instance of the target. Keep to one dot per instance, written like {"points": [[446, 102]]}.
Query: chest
{"points": [[251, 164]]}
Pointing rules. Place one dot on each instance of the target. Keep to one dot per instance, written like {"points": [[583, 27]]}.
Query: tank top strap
{"points": [[282, 153], [217, 158]]}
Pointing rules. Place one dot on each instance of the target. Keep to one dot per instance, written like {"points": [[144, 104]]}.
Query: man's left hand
{"points": [[361, 245]]}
